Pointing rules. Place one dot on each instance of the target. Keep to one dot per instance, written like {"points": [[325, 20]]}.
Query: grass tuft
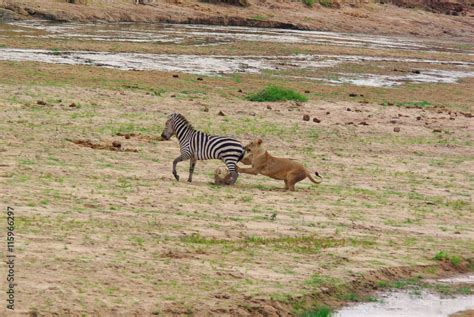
{"points": [[275, 93], [320, 312]]}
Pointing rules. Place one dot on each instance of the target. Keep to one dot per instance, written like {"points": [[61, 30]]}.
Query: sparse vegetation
{"points": [[309, 3], [275, 93], [105, 220]]}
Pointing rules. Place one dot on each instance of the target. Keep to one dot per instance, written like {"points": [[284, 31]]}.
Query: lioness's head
{"points": [[253, 147]]}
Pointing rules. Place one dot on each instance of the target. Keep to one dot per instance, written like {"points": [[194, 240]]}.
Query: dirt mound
{"points": [[113, 146]]}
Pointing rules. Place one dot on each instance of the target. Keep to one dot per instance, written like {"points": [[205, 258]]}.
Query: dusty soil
{"points": [[368, 18], [103, 232]]}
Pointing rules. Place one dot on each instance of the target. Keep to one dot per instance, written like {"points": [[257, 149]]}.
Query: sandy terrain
{"points": [[103, 228]]}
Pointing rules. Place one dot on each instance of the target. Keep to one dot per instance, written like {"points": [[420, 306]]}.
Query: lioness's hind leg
{"points": [[293, 178]]}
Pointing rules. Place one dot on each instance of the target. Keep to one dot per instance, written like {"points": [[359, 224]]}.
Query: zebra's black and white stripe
{"points": [[197, 145]]}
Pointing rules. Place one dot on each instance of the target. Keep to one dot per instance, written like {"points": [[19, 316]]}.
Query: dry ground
{"points": [[104, 232]]}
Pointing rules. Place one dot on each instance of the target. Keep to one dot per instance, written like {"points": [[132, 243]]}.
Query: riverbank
{"points": [[370, 18]]}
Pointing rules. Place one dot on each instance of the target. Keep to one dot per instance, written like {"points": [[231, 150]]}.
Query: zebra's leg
{"points": [[192, 165], [232, 167], [175, 162]]}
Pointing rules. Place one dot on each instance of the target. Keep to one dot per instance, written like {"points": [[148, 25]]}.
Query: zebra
{"points": [[196, 145]]}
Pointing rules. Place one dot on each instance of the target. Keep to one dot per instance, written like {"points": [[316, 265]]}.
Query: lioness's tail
{"points": [[312, 179]]}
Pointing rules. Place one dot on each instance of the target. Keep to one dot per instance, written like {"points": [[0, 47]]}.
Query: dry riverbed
{"points": [[103, 228]]}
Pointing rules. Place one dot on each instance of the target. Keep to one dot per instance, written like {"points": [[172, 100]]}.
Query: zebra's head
{"points": [[169, 130]]}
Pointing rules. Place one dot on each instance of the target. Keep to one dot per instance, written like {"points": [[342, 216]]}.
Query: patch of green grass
{"points": [[414, 104], [455, 260], [441, 256], [319, 312], [275, 93], [56, 51], [137, 241], [326, 3], [259, 17], [309, 3]]}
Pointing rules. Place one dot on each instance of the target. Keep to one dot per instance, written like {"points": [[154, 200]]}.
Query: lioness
{"points": [[275, 167]]}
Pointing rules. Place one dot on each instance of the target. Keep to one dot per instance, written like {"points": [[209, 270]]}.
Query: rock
{"points": [[364, 101], [349, 123], [117, 144], [306, 91], [269, 107], [41, 103], [352, 94], [175, 76], [173, 96], [205, 109], [437, 130], [306, 117], [73, 105], [316, 120], [396, 129], [240, 90], [253, 114], [418, 118], [222, 114], [416, 71], [393, 121], [363, 123], [349, 109], [327, 112], [199, 78]]}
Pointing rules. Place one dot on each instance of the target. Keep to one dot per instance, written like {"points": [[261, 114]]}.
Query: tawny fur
{"points": [[279, 168]]}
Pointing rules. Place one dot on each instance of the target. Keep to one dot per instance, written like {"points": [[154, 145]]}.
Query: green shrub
{"points": [[441, 256], [455, 260], [309, 3], [275, 93]]}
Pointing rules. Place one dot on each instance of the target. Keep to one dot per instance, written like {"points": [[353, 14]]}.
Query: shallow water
{"points": [[206, 34], [427, 71], [217, 65], [402, 303]]}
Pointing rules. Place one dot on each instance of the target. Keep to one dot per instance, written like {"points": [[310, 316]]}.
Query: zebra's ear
{"points": [[259, 141]]}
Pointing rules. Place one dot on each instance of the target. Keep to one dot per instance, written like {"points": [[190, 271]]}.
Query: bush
{"points": [[275, 93], [309, 3], [441, 256]]}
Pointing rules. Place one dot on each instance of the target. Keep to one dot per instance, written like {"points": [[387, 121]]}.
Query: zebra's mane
{"points": [[182, 118]]}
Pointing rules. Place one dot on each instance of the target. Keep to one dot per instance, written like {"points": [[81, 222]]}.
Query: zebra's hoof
{"points": [[176, 176], [190, 180]]}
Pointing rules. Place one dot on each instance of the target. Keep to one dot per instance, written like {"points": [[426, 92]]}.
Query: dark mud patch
{"points": [[109, 146]]}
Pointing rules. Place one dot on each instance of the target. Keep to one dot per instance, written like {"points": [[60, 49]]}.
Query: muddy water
{"points": [[178, 33], [403, 303], [427, 72]]}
